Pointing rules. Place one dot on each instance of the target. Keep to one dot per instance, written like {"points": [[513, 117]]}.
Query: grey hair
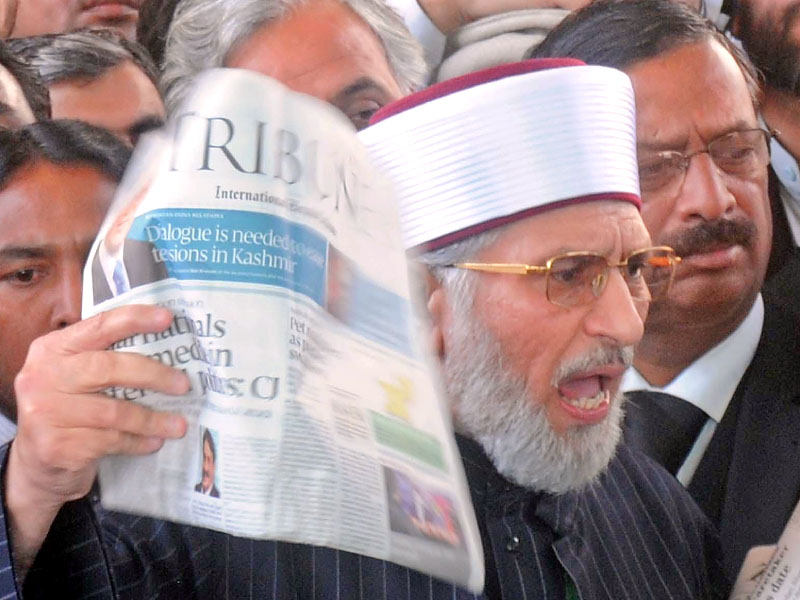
{"points": [[203, 33], [81, 54], [459, 283]]}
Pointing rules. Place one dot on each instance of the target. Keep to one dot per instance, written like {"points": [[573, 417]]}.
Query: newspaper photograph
{"points": [[315, 413]]}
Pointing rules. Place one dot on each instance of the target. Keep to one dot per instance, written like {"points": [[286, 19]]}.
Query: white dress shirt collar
{"points": [[710, 381]]}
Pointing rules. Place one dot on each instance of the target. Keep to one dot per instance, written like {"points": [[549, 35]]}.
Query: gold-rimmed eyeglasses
{"points": [[576, 278], [743, 154]]}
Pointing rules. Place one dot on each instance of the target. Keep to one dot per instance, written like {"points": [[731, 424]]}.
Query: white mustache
{"points": [[599, 357]]}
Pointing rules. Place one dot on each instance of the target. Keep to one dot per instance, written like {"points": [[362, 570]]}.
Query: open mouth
{"points": [[587, 395], [592, 403]]}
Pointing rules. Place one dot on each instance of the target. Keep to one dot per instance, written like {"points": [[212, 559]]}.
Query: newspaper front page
{"points": [[313, 415]]}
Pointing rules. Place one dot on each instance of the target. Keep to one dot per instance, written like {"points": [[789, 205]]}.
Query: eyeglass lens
{"points": [[740, 154], [574, 280]]}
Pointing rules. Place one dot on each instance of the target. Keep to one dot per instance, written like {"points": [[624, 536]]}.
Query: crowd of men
{"points": [[617, 321]]}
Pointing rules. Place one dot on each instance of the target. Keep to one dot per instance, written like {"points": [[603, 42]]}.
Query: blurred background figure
{"points": [[155, 17], [98, 77], [8, 12], [770, 33], [25, 18], [462, 36], [23, 97], [57, 179], [357, 56]]}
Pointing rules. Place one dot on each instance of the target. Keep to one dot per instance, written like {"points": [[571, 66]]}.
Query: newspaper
{"points": [[773, 572], [314, 415]]}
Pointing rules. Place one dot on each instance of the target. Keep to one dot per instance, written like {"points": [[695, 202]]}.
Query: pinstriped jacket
{"points": [[634, 534]]}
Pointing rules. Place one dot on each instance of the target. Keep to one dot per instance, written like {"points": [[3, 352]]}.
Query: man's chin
{"points": [[531, 454], [498, 411]]}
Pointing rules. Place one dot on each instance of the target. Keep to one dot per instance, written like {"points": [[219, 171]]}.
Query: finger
{"points": [[108, 442], [99, 412], [75, 453], [102, 330], [97, 370]]}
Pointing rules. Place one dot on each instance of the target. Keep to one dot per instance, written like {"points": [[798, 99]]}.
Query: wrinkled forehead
{"points": [[694, 89]]}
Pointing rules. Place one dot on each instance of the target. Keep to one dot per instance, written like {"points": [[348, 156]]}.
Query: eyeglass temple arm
{"points": [[518, 269], [664, 261]]}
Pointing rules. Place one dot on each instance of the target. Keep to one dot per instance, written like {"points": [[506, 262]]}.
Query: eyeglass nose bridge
{"points": [[686, 159], [600, 281], [685, 162]]}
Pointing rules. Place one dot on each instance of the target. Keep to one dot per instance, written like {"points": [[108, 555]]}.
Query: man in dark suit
{"points": [[207, 484], [536, 300], [138, 268], [716, 395], [122, 263]]}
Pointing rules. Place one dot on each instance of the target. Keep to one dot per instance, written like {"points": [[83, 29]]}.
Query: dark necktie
{"points": [[120, 278], [662, 426]]}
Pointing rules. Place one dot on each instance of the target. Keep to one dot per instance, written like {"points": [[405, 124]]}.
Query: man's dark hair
{"points": [[618, 33], [155, 17], [62, 142], [33, 88], [207, 437], [81, 54]]}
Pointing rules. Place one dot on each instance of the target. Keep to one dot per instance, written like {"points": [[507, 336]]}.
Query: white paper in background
{"points": [[753, 567], [314, 414], [780, 579]]}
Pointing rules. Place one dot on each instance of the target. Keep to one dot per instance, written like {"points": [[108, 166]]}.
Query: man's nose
{"points": [[704, 194], [615, 315], [67, 308]]}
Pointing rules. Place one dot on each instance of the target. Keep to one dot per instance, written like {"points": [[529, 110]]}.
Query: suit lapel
{"points": [[749, 479]]}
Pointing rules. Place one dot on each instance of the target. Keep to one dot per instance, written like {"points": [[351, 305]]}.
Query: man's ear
{"points": [[438, 306]]}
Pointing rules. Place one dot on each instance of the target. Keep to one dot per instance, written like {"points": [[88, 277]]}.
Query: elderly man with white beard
{"points": [[519, 187], [519, 194]]}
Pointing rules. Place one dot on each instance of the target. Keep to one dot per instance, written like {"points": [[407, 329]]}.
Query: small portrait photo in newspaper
{"points": [[208, 467]]}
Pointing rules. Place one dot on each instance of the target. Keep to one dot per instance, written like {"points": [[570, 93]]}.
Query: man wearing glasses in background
{"points": [[715, 392]]}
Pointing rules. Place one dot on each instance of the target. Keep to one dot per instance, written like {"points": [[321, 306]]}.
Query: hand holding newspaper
{"points": [[313, 414]]}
